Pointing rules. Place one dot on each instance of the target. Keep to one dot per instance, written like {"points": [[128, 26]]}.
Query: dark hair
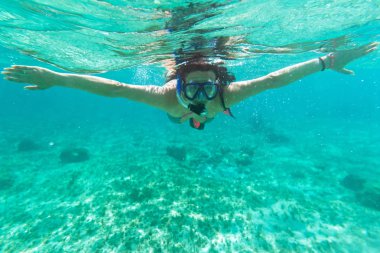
{"points": [[221, 72], [199, 63]]}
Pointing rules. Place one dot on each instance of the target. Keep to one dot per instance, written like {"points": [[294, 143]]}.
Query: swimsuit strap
{"points": [[225, 109]]}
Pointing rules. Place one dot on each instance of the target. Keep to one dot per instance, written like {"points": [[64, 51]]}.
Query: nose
{"points": [[201, 96]]}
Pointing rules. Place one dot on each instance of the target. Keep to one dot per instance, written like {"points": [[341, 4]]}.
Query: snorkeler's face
{"points": [[200, 86]]}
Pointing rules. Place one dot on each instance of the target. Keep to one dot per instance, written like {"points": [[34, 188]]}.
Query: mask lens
{"points": [[191, 90], [207, 90], [210, 90]]}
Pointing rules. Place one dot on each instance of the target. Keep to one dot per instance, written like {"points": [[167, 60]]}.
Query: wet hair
{"points": [[221, 73]]}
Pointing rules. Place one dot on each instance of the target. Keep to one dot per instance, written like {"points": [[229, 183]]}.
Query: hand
{"points": [[190, 115], [339, 59], [41, 78]]}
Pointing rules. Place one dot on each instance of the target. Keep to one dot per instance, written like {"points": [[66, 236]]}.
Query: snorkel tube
{"points": [[178, 92]]}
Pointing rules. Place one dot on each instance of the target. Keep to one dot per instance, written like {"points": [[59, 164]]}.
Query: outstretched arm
{"points": [[238, 91], [42, 78]]}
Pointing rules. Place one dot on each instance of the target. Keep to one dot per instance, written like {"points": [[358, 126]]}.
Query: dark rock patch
{"points": [[298, 175], [248, 150], [271, 135], [243, 160], [140, 195], [73, 179], [224, 150], [275, 138], [6, 183], [74, 155], [353, 182], [178, 153], [27, 145], [370, 198]]}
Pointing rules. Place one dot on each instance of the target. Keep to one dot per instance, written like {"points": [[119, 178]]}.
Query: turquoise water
{"points": [[297, 170]]}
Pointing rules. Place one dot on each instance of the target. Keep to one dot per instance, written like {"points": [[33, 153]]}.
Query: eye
{"points": [[191, 89], [210, 88]]}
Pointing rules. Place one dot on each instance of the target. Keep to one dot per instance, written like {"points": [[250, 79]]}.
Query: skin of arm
{"points": [[42, 78], [164, 97], [238, 91]]}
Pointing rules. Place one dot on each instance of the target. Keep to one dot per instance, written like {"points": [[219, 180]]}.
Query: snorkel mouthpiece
{"points": [[199, 109]]}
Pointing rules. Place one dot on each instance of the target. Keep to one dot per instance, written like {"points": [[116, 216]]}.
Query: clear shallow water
{"points": [[93, 36], [296, 171]]}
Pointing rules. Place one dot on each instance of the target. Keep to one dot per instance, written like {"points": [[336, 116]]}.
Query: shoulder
{"points": [[169, 92], [166, 90], [170, 85], [169, 89]]}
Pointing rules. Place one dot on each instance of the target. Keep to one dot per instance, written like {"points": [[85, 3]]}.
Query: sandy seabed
{"points": [[274, 187]]}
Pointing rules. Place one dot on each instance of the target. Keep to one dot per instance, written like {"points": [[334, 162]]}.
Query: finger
{"points": [[20, 69], [12, 74], [9, 70], [186, 117], [371, 50], [13, 79], [370, 46], [346, 71], [12, 70], [16, 77], [366, 49], [32, 87], [24, 67]]}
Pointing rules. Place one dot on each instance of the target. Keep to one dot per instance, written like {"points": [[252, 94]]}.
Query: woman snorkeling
{"points": [[197, 91]]}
